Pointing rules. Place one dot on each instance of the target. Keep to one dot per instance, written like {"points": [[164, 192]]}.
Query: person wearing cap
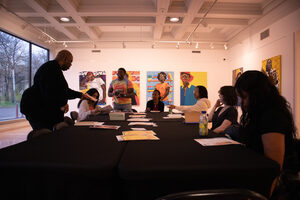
{"points": [[187, 90]]}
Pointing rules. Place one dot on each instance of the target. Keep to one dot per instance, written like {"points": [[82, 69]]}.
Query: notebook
{"points": [[192, 117]]}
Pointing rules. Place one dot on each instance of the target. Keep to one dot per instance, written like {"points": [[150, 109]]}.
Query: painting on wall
{"points": [[162, 81], [188, 82], [236, 73], [272, 68], [134, 77], [96, 79]]}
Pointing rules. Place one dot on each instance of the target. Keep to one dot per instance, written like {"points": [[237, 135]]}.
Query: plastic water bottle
{"points": [[170, 111], [203, 131]]}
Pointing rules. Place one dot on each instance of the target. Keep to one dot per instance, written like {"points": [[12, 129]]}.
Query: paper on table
{"points": [[137, 116], [142, 124], [105, 127], [146, 132], [136, 137], [138, 129], [216, 141], [88, 123], [139, 119], [173, 116], [154, 111], [139, 113]]}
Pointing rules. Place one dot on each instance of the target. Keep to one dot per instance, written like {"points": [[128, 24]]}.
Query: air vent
{"points": [[96, 51], [264, 34], [196, 51]]}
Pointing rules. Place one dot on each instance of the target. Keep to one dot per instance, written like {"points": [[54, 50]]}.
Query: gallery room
{"points": [[149, 99]]}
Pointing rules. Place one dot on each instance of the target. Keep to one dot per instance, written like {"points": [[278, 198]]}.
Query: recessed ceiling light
{"points": [[64, 19], [174, 19]]}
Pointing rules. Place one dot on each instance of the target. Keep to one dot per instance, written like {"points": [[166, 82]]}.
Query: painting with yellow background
{"points": [[188, 82], [272, 68]]}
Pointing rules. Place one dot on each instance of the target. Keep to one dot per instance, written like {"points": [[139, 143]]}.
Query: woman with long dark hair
{"points": [[224, 113], [267, 125], [88, 107]]}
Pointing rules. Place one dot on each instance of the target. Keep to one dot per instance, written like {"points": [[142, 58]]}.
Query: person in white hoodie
{"points": [[202, 104]]}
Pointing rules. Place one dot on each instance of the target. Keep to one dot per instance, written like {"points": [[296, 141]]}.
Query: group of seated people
{"points": [[266, 124]]}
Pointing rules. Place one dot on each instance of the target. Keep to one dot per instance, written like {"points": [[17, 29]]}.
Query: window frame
{"points": [[30, 66]]}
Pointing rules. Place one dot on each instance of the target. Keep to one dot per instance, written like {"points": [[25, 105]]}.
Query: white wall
{"points": [[143, 60], [249, 53]]}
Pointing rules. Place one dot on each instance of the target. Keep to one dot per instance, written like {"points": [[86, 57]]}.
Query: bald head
{"points": [[64, 59]]}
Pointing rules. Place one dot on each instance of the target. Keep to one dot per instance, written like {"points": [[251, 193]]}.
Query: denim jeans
{"points": [[122, 107]]}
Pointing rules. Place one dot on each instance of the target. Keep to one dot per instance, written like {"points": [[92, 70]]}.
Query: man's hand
{"points": [[171, 106], [65, 108]]}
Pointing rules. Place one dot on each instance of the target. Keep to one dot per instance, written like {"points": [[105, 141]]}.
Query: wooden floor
{"points": [[13, 133]]}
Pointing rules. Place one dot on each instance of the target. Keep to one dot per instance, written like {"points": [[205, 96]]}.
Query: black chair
{"points": [[35, 133], [222, 194], [74, 115]]}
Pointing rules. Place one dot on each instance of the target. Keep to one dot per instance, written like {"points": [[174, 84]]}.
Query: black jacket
{"points": [[48, 94], [161, 105]]}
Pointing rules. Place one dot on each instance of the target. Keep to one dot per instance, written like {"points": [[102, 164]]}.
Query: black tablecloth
{"points": [[153, 169], [79, 162]]}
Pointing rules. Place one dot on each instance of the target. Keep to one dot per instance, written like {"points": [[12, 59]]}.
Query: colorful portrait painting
{"points": [[236, 74], [272, 68], [188, 82], [134, 77], [96, 79], [163, 82]]}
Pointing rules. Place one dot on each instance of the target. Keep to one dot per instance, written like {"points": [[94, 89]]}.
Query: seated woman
{"points": [[88, 107], [267, 125], [155, 104], [224, 113], [203, 104]]}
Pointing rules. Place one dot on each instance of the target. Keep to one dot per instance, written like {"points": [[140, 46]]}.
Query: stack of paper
{"points": [[137, 135], [88, 123], [216, 141]]}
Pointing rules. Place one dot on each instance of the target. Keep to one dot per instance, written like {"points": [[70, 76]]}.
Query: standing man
{"points": [[187, 90], [46, 101], [122, 90]]}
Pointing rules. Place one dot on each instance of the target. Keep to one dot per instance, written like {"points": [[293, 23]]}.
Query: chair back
{"points": [[224, 194], [74, 115], [35, 133]]}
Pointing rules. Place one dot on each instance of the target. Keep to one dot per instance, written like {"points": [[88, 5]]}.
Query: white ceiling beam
{"points": [[162, 9], [71, 8], [240, 9], [193, 8], [37, 7]]}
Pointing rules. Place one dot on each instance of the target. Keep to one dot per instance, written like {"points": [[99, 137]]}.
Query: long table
{"points": [[79, 162]]}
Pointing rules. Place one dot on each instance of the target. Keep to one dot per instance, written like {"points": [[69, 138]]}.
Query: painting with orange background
{"points": [[134, 77]]}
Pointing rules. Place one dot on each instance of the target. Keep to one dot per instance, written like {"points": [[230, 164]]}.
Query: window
{"points": [[15, 68], [39, 56]]}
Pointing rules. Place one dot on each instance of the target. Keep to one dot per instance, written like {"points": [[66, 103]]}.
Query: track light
{"points": [[177, 46], [211, 45], [65, 44], [124, 46], [197, 45], [225, 46]]}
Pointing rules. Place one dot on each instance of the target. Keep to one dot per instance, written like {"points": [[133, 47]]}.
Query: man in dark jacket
{"points": [[45, 103]]}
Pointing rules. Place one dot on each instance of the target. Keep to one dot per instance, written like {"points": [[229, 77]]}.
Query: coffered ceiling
{"points": [[119, 23]]}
